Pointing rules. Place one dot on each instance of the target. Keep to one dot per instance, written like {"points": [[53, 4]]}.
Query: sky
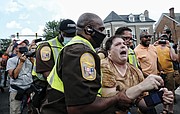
{"points": [[28, 17]]}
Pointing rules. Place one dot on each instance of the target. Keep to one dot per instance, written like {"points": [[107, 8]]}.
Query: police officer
{"points": [[46, 55], [47, 52]]}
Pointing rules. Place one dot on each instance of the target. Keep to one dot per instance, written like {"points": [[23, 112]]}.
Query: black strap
{"points": [[16, 87], [14, 70]]}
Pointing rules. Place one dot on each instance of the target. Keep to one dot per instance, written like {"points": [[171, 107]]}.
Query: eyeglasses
{"points": [[147, 36], [126, 38]]}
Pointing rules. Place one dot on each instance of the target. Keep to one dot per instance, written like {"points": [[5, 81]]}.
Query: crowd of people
{"points": [[75, 73]]}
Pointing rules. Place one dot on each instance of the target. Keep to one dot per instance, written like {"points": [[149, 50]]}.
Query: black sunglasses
{"points": [[147, 36]]}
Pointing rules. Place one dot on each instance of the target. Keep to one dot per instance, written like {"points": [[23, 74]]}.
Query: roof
{"points": [[112, 17], [176, 20], [177, 16]]}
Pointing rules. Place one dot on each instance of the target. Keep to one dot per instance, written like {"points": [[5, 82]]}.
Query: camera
{"points": [[162, 41], [38, 40], [24, 50]]}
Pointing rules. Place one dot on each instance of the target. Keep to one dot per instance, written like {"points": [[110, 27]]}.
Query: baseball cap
{"points": [[25, 41], [68, 26]]}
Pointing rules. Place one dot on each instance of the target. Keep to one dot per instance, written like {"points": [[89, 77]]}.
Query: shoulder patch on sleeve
{"points": [[87, 63], [45, 53]]}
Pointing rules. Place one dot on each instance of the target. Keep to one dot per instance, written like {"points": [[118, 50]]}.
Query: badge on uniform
{"points": [[45, 53], [88, 66]]}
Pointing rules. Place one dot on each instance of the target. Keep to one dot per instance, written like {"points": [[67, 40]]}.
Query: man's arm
{"points": [[13, 73], [100, 104]]}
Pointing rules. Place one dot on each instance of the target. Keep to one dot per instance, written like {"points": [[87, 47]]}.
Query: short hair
{"points": [[87, 19], [109, 41], [144, 33], [120, 30]]}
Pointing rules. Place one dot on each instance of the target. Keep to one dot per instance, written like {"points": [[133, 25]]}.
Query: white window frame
{"points": [[142, 17], [131, 18], [144, 29], [108, 34]]}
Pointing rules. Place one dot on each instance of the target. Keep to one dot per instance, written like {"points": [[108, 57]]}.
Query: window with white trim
{"points": [[108, 32], [131, 18], [142, 17], [144, 29]]}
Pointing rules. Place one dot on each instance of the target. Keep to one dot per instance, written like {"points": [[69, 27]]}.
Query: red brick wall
{"points": [[170, 24]]}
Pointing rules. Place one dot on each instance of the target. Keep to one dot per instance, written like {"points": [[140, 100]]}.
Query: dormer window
{"points": [[131, 18], [142, 17]]}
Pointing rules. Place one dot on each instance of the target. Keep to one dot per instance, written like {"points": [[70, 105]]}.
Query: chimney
{"points": [[171, 13], [146, 13]]}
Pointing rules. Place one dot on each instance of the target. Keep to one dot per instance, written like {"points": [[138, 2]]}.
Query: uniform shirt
{"points": [[147, 57], [41, 65], [165, 59], [79, 70], [24, 78]]}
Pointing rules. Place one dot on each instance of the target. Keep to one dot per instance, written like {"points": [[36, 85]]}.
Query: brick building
{"points": [[170, 21]]}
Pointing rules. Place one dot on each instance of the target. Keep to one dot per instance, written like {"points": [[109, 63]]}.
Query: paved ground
{"points": [[4, 103]]}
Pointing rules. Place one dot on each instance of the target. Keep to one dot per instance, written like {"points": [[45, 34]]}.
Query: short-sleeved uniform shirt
{"points": [[79, 70], [44, 58]]}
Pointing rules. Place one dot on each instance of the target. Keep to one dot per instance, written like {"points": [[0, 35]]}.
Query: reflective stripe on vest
{"points": [[56, 46], [53, 79], [132, 58]]}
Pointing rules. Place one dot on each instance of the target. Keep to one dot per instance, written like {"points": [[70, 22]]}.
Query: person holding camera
{"points": [[119, 75], [19, 69], [166, 55]]}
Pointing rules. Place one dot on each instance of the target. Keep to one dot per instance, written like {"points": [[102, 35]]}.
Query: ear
{"points": [[88, 30], [109, 53]]}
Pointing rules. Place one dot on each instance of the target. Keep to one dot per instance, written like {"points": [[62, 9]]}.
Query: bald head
{"points": [[89, 19]]}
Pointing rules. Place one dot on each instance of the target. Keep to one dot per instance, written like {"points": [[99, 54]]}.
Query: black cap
{"points": [[68, 26]]}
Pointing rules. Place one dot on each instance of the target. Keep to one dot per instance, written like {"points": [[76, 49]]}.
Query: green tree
{"points": [[51, 30], [4, 44]]}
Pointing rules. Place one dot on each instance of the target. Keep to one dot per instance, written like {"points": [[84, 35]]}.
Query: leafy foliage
{"points": [[51, 30], [4, 43]]}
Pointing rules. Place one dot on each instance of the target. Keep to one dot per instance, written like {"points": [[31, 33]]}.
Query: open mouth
{"points": [[123, 53]]}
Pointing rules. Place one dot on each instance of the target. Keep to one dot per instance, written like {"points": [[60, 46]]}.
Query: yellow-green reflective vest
{"points": [[132, 58], [53, 79], [56, 46]]}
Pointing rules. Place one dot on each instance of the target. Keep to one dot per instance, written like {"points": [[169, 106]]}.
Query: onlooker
{"points": [[119, 75], [19, 69], [11, 50], [5, 58], [1, 70], [165, 57], [147, 55]]}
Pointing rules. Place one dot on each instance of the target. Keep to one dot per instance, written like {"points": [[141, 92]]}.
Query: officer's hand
{"points": [[168, 96], [151, 82], [123, 100], [22, 58]]}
